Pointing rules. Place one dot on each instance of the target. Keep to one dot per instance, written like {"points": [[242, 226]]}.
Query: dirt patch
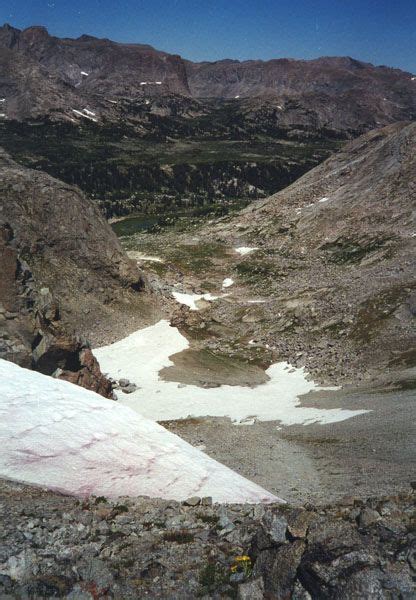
{"points": [[206, 369]]}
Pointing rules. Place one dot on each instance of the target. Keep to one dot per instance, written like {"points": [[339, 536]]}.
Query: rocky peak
{"points": [[101, 65], [35, 33], [9, 36]]}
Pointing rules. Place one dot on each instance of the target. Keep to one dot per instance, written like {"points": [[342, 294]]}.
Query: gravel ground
{"points": [[374, 453]]}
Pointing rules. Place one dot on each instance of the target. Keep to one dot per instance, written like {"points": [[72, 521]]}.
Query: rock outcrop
{"points": [[60, 264]]}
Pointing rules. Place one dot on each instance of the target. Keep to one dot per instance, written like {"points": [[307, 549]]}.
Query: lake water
{"points": [[132, 225]]}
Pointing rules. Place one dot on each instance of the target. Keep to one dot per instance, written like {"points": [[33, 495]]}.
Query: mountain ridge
{"points": [[88, 37], [97, 74]]}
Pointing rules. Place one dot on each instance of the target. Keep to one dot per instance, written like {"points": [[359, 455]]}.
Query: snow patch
{"points": [[236, 96], [82, 114], [84, 73], [312, 204], [141, 256], [228, 282], [243, 250], [59, 435], [89, 112], [192, 300], [140, 356]]}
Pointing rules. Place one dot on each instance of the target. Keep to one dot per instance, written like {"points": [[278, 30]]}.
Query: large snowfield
{"points": [[58, 435], [143, 354], [66, 438]]}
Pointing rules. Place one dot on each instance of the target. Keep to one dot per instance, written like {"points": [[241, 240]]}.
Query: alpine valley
{"points": [[207, 325]]}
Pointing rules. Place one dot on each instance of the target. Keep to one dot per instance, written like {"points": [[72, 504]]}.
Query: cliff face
{"points": [[29, 90], [336, 93], [289, 77], [93, 65], [61, 264]]}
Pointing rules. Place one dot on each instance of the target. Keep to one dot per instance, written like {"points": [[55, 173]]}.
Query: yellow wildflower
{"points": [[243, 558]]}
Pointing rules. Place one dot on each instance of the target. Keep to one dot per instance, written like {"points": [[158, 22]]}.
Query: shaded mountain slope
{"points": [[100, 65], [333, 93], [63, 273], [28, 90]]}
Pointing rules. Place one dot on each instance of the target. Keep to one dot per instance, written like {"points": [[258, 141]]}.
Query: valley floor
{"points": [[371, 453]]}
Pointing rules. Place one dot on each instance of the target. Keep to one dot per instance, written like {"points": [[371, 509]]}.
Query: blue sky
{"points": [[377, 31]]}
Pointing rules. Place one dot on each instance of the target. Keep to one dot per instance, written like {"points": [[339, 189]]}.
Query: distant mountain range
{"points": [[98, 80]]}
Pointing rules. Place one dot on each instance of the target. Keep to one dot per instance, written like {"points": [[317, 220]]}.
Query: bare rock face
{"points": [[79, 68], [31, 333], [104, 66], [89, 375], [9, 263], [29, 90], [68, 242], [59, 261], [337, 94]]}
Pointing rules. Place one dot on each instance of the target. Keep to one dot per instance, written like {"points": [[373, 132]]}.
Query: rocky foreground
{"points": [[58, 546]]}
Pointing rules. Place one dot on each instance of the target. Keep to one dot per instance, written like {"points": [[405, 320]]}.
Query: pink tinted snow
{"points": [[58, 435]]}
